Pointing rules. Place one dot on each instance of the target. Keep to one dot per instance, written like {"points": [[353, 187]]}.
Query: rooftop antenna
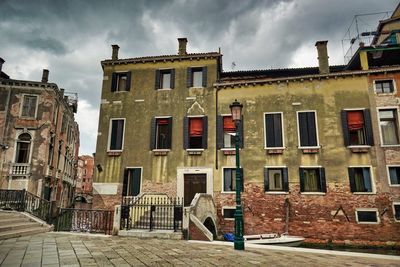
{"points": [[233, 65]]}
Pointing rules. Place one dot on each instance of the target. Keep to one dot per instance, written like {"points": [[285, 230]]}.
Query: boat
{"points": [[274, 239]]}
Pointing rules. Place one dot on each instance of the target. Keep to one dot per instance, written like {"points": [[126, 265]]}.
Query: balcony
{"points": [[20, 169]]}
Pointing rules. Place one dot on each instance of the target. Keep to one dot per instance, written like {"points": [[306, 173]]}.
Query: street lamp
{"points": [[236, 110]]}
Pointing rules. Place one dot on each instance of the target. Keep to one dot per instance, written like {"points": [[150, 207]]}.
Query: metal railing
{"points": [[23, 200], [82, 220], [152, 212]]}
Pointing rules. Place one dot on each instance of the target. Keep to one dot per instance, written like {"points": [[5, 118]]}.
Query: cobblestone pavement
{"points": [[57, 249]]}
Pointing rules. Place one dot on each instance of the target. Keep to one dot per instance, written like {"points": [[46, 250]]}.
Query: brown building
{"points": [[39, 138], [84, 183]]}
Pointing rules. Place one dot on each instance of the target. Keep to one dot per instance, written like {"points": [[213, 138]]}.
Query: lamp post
{"points": [[236, 110]]}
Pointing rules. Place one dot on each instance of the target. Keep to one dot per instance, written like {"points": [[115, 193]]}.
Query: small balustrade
{"points": [[20, 169]]}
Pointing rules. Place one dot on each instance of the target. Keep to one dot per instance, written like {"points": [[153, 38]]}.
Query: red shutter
{"points": [[162, 121], [229, 124], [196, 127], [355, 120]]}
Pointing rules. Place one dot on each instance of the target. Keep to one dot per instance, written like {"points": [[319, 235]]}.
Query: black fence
{"points": [[85, 221], [21, 200], [152, 212]]}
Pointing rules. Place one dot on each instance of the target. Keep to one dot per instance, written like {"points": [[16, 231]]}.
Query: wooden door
{"points": [[194, 183]]}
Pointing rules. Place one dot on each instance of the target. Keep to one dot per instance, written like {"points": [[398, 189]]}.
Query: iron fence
{"points": [[152, 212], [83, 220]]}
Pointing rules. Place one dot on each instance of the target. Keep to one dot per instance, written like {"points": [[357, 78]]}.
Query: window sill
{"points": [[274, 150], [114, 153], [388, 146], [229, 150], [122, 91], [276, 193], [229, 219], [192, 87], [368, 222], [228, 192], [195, 151], [164, 89], [313, 193], [310, 150], [359, 149], [385, 94], [161, 152], [394, 185], [364, 193]]}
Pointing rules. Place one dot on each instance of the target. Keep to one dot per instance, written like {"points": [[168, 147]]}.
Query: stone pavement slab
{"points": [[60, 249]]}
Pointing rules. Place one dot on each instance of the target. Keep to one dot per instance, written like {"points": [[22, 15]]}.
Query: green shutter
{"points": [[128, 81], [266, 180], [345, 127], [157, 81]]}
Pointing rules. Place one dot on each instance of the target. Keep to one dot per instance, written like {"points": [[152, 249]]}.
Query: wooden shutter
{"points": [[269, 128], [185, 132], [172, 79], [169, 140], [367, 179], [241, 133], [351, 179], [153, 126], [189, 78], [157, 81], [205, 132], [345, 127], [312, 132], [277, 130], [204, 81], [125, 183], [266, 180], [369, 138], [322, 179], [128, 81], [285, 178], [114, 82], [301, 175], [220, 132], [303, 129], [137, 173]]}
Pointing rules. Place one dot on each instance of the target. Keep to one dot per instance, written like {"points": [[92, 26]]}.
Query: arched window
{"points": [[23, 147]]}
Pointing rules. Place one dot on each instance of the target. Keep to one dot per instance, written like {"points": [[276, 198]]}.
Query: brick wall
{"points": [[195, 233]]}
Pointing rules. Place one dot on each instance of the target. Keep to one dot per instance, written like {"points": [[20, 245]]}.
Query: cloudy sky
{"points": [[71, 37]]}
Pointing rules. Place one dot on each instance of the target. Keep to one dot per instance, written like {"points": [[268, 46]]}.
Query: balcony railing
{"points": [[20, 169]]}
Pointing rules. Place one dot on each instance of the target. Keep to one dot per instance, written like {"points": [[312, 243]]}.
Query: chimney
{"points": [[62, 92], [182, 46], [115, 49], [1, 63], [323, 62], [45, 76]]}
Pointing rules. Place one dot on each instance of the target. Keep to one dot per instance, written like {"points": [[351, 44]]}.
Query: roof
{"points": [[378, 56], [275, 73], [164, 58], [4, 75]]}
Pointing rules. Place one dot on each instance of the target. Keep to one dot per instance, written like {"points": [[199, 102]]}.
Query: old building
{"points": [[84, 182], [39, 138], [320, 147]]}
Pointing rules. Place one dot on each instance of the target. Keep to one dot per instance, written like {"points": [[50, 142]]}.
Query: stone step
{"points": [[17, 225], [24, 232], [14, 220]]}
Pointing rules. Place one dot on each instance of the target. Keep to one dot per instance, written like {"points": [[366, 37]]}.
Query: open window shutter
{"points": [[205, 132], [157, 82], [322, 179], [368, 128], [204, 77], [136, 181], [220, 132], [367, 179], [285, 179], [301, 174], [185, 132], [128, 81], [345, 128], [241, 133], [172, 79], [351, 179], [303, 129], [169, 133], [266, 180], [269, 127], [312, 133], [189, 78], [153, 134], [114, 82], [125, 183], [278, 130]]}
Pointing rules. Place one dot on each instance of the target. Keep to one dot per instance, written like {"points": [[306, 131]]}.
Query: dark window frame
{"points": [[159, 84], [28, 107], [283, 176], [192, 142], [364, 218], [155, 131], [228, 215], [233, 180], [395, 119], [320, 182], [23, 148], [190, 80], [273, 134], [396, 211], [380, 86], [128, 186], [118, 144], [392, 179], [308, 131], [115, 85], [361, 186]]}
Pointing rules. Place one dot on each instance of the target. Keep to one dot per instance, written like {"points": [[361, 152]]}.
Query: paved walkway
{"points": [[58, 249]]}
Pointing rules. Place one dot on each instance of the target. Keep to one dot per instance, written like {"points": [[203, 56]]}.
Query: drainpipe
{"points": [[216, 128]]}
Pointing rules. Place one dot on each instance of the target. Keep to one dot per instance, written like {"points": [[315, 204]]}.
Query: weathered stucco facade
{"points": [[354, 193]]}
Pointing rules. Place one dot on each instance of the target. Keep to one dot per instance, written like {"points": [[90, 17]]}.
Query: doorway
{"points": [[194, 183]]}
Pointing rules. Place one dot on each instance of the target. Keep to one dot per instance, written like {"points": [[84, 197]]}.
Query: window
{"points": [[312, 180], [360, 179], [121, 81], [276, 179], [195, 132], [396, 211], [367, 216], [29, 106], [161, 133], [394, 175], [230, 179], [132, 182], [388, 124], [165, 79], [307, 128], [227, 132], [51, 150], [228, 213], [116, 134], [23, 148], [357, 127], [273, 130], [197, 77], [383, 87]]}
